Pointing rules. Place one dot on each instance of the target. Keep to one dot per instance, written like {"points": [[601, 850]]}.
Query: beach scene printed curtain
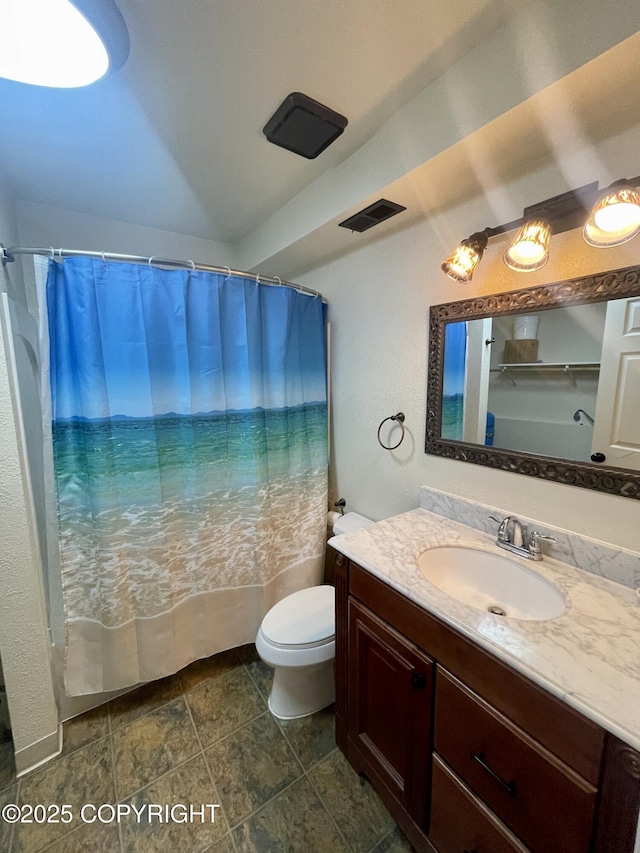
{"points": [[189, 430], [453, 379]]}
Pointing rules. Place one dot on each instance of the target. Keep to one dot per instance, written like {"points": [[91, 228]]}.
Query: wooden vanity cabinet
{"points": [[467, 754], [390, 702]]}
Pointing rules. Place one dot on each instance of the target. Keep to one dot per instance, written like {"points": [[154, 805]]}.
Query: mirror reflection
{"points": [[562, 382]]}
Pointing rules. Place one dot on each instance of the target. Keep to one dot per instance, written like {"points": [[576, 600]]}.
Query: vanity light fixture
{"points": [[530, 249], [61, 44], [614, 219], [461, 265]]}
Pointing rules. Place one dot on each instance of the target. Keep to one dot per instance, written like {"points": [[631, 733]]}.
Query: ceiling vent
{"points": [[304, 126], [372, 215]]}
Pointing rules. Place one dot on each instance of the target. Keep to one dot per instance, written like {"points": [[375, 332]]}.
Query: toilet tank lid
{"points": [[350, 521], [302, 618]]}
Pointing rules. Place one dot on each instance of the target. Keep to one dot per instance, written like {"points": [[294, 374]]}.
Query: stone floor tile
{"points": [[247, 654], [357, 809], [312, 738], [394, 842], [251, 766], [190, 784], [7, 764], [203, 670], [96, 837], [85, 728], [83, 776], [131, 706], [153, 745], [9, 795], [293, 822], [225, 845], [223, 703], [262, 677]]}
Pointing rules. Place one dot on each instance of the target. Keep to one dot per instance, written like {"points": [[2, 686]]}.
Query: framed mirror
{"points": [[543, 381]]}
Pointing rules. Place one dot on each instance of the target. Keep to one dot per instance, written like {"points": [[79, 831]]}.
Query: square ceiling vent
{"points": [[304, 126], [372, 215]]}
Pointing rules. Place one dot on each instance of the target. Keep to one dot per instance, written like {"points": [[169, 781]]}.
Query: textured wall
{"points": [[23, 636], [379, 300]]}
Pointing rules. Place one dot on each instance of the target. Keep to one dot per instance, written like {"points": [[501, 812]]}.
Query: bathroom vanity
{"points": [[482, 733]]}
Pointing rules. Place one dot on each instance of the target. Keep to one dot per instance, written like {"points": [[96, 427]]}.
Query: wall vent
{"points": [[372, 215]]}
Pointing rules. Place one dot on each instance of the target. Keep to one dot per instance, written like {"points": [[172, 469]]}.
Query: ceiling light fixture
{"points": [[530, 249], [61, 44], [614, 219]]}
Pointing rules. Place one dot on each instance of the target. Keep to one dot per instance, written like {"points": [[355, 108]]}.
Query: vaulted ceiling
{"points": [[174, 139]]}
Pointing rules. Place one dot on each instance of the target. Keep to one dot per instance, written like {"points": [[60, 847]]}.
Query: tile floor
{"points": [[202, 736]]}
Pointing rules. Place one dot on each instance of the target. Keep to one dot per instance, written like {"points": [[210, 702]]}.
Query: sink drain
{"points": [[496, 610]]}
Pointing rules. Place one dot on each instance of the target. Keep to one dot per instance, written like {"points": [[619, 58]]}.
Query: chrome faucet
{"points": [[514, 536]]}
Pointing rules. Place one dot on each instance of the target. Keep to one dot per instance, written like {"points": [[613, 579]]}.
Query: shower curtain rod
{"points": [[7, 256]]}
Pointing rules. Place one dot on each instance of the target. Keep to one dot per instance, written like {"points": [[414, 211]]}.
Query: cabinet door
{"points": [[390, 691]]}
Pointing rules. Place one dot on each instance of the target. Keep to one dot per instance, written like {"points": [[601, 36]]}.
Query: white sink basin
{"points": [[491, 582]]}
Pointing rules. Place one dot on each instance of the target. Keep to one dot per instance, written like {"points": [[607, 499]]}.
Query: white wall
{"points": [[379, 299], [41, 225], [24, 643]]}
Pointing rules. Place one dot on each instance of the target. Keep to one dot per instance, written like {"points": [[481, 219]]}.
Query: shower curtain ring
{"points": [[193, 266], [257, 279], [228, 275], [104, 260], [150, 260], [279, 280]]}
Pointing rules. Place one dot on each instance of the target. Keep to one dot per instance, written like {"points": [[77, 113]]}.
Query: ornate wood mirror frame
{"points": [[616, 284]]}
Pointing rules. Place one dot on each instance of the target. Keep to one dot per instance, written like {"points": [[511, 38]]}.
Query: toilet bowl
{"points": [[297, 639]]}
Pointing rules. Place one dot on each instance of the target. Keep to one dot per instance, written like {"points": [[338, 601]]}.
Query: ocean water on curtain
{"points": [[198, 493]]}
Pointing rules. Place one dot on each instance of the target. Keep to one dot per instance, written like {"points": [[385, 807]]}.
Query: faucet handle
{"points": [[534, 544]]}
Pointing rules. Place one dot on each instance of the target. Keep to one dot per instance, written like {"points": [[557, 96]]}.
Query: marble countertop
{"points": [[589, 656]]}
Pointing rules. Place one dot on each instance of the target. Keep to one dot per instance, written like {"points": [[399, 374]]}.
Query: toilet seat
{"points": [[303, 620]]}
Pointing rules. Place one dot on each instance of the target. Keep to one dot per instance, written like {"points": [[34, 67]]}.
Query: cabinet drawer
{"points": [[461, 822], [542, 800]]}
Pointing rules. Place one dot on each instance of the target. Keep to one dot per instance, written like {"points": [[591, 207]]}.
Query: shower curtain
{"points": [[189, 426], [453, 379]]}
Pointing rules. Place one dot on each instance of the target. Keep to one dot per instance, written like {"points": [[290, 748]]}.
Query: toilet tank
{"points": [[349, 522]]}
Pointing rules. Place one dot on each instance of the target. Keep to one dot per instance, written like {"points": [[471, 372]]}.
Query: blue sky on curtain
{"points": [[190, 453]]}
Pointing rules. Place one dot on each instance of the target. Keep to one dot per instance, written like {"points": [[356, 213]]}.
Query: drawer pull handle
{"points": [[418, 681], [510, 787]]}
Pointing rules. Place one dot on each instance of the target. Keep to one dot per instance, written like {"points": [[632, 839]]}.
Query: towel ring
{"points": [[399, 417]]}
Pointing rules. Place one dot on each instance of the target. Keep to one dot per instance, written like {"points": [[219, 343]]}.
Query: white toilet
{"points": [[297, 639]]}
